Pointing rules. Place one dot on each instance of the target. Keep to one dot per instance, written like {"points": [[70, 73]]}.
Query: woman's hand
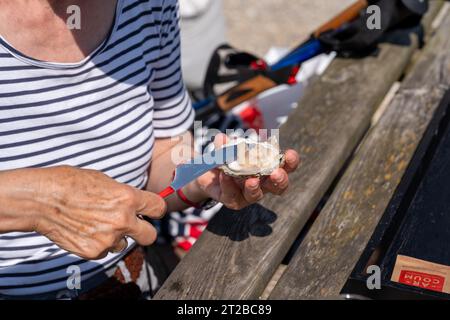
{"points": [[236, 194], [82, 211]]}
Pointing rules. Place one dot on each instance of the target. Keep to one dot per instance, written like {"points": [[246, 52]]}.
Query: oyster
{"points": [[255, 159]]}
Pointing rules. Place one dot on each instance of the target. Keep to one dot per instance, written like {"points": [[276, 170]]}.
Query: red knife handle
{"points": [[166, 192]]}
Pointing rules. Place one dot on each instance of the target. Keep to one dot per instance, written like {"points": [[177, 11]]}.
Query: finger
{"points": [[277, 183], [150, 205], [292, 161], [120, 247], [231, 195], [220, 140], [101, 256], [252, 190], [143, 232]]}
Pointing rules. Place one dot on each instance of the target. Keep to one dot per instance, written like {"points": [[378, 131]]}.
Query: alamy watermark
{"points": [[374, 17], [183, 151], [373, 282], [74, 280], [73, 22]]}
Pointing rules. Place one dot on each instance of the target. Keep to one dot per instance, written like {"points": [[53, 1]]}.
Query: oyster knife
{"points": [[198, 166]]}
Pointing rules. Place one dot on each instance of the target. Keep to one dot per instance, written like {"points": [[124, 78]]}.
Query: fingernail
{"points": [[254, 185], [278, 177]]}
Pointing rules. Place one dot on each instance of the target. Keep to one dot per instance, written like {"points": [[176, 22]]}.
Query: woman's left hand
{"points": [[237, 194]]}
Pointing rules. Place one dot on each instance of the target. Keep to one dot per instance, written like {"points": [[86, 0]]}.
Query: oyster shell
{"points": [[255, 159]]}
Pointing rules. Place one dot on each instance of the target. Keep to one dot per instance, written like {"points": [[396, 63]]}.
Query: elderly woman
{"points": [[86, 121]]}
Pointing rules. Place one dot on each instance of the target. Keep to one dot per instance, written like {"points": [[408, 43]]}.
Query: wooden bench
{"points": [[351, 167]]}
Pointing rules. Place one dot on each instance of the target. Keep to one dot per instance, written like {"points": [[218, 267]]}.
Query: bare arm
{"points": [[82, 211]]}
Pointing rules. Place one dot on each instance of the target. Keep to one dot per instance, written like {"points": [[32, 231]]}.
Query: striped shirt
{"points": [[103, 113]]}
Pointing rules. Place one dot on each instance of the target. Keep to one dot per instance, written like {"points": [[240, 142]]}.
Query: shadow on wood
{"points": [[239, 225]]}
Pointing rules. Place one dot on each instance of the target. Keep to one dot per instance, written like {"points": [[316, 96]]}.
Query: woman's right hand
{"points": [[82, 211]]}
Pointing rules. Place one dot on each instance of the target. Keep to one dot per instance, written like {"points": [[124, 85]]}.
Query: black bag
{"points": [[356, 38]]}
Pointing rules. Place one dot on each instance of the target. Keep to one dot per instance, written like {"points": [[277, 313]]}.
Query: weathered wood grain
{"points": [[327, 256], [240, 251]]}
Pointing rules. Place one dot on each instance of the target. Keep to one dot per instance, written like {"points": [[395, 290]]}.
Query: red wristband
{"points": [[183, 198]]}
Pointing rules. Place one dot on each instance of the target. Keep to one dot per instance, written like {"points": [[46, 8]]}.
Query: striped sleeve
{"points": [[173, 112]]}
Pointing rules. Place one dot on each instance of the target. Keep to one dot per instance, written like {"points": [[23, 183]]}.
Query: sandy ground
{"points": [[256, 25]]}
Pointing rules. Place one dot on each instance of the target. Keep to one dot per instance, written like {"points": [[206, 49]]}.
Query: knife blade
{"points": [[198, 166]]}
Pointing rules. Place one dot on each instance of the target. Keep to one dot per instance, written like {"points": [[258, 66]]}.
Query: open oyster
{"points": [[255, 159]]}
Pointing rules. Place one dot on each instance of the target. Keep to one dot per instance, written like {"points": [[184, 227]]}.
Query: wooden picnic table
{"points": [[352, 165]]}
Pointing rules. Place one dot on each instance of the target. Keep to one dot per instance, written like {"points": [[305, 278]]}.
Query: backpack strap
{"points": [[228, 67]]}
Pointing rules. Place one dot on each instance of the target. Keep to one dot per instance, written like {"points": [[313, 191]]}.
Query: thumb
{"points": [[150, 205]]}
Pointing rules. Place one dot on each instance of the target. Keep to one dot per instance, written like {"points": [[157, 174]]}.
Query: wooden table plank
{"points": [[239, 252], [327, 256]]}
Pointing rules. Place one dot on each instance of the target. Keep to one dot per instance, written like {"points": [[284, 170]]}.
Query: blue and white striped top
{"points": [[102, 113]]}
